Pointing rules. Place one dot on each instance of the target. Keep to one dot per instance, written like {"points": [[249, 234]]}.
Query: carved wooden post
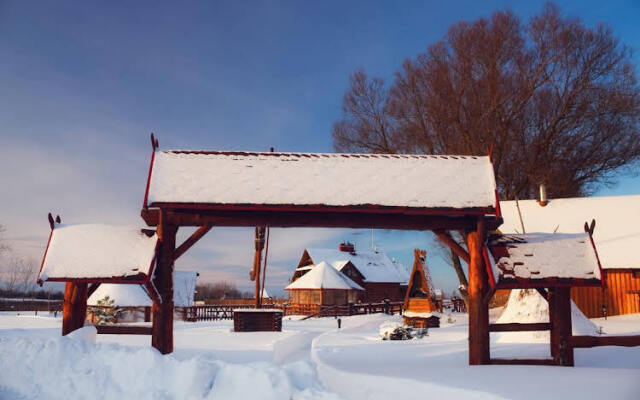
{"points": [[257, 263], [478, 288], [561, 331], [162, 327], [74, 307]]}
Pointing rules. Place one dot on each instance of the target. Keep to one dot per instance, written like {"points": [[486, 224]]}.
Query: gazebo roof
{"points": [[544, 260], [253, 180], [98, 253]]}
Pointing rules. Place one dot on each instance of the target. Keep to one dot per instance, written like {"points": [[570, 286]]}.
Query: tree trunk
{"points": [[462, 278]]}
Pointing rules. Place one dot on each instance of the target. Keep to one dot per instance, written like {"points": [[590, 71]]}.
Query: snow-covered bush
{"points": [[395, 331], [106, 311]]}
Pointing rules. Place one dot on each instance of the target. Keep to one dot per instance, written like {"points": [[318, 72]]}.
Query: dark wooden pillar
{"points": [[147, 314], [561, 331], [478, 288], [74, 307], [162, 326]]}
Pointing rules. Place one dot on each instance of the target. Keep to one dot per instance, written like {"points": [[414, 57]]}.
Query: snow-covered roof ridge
{"points": [[324, 276], [617, 230], [376, 266], [253, 178], [98, 252]]}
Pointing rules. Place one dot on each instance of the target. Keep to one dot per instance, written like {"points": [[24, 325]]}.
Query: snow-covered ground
{"points": [[310, 359]]}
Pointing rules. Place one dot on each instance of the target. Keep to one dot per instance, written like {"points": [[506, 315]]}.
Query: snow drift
{"points": [[528, 306]]}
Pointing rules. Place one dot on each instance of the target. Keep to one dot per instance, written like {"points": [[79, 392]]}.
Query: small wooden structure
{"points": [[419, 309], [254, 320], [324, 285]]}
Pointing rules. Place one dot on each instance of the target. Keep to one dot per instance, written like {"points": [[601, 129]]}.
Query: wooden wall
{"points": [[616, 296], [377, 292]]}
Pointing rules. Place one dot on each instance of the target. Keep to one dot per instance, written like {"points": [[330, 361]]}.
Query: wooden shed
{"points": [[617, 236], [324, 285]]}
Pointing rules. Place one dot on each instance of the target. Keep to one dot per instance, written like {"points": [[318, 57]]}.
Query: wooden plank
{"points": [[74, 307], [292, 219], [516, 327], [186, 245], [123, 330], [446, 238], [596, 341], [92, 288], [522, 361], [162, 329], [478, 288]]}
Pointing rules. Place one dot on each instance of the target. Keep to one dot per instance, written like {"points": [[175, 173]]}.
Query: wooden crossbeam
{"points": [[446, 238], [92, 288], [516, 327], [123, 330], [543, 293], [595, 341], [191, 240], [521, 361]]}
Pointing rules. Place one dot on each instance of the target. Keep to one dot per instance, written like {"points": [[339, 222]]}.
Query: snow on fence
{"points": [[217, 312]]}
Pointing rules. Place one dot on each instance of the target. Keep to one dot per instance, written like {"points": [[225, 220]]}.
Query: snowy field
{"points": [[309, 360]]}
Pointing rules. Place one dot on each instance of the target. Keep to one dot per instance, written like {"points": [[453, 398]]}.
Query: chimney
{"points": [[543, 195], [347, 247]]}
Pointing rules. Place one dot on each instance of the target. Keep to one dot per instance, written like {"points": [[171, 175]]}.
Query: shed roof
{"points": [[375, 266], [617, 232], [99, 253], [543, 258], [312, 179], [324, 276]]}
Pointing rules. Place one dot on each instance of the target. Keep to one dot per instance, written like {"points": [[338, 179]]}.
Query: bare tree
{"points": [[558, 103], [4, 246]]}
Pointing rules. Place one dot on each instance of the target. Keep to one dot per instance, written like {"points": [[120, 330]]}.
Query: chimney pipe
{"points": [[543, 195]]}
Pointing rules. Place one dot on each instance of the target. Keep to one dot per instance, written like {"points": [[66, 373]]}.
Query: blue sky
{"points": [[83, 83]]}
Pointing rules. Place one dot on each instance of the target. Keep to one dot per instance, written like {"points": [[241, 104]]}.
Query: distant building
{"points": [[379, 276], [616, 235], [324, 285]]}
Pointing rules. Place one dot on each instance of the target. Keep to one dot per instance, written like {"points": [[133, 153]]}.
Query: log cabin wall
{"points": [[618, 300], [376, 292]]}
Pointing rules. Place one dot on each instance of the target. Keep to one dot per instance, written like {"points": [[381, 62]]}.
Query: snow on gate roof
{"points": [[312, 179], [98, 253], [543, 258]]}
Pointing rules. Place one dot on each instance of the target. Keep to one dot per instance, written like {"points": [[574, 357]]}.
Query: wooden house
{"points": [[419, 309], [324, 285], [381, 277], [617, 236]]}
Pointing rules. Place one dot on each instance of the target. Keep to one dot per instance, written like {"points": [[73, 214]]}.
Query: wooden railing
{"points": [[216, 312]]}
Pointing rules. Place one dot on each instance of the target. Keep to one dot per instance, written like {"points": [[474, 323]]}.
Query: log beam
{"points": [[162, 327], [191, 240], [92, 288], [521, 361], [300, 219], [74, 307], [123, 330], [446, 238], [561, 331], [595, 341], [478, 290], [517, 327]]}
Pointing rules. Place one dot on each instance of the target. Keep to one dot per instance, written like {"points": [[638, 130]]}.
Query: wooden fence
{"points": [[216, 312]]}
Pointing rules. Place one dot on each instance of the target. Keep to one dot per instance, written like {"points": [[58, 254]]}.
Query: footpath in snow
{"points": [[310, 359]]}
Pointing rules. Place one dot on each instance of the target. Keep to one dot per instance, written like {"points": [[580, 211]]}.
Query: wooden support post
{"points": [[561, 332], [162, 329], [257, 263], [147, 314], [478, 289], [74, 307]]}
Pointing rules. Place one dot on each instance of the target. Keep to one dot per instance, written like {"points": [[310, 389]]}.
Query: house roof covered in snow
{"points": [[375, 266], [324, 276], [184, 287], [99, 253], [543, 258], [303, 179], [617, 230]]}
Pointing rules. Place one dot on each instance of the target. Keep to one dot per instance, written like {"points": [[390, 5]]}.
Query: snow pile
{"points": [[71, 367], [122, 295], [528, 306], [97, 251], [303, 179]]}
